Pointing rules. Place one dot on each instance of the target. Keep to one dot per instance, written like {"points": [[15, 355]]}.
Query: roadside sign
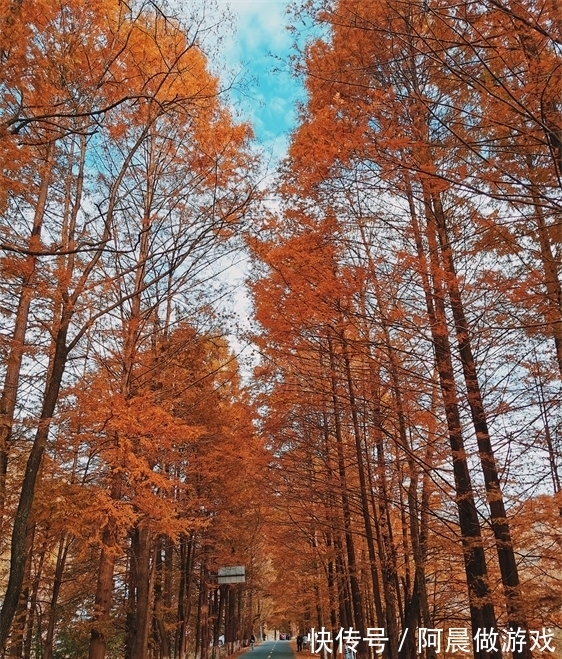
{"points": [[232, 574]]}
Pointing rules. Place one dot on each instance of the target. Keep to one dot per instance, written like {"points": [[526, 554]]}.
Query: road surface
{"points": [[271, 650]]}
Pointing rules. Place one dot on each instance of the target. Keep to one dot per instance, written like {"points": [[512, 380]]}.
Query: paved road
{"points": [[271, 650]]}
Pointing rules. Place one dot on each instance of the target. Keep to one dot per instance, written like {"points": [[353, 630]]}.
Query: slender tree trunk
{"points": [[202, 628], [387, 552], [139, 622], [550, 265], [418, 597], [162, 634], [33, 609], [552, 453], [184, 594], [333, 513], [331, 581], [168, 568], [15, 648], [427, 619], [498, 514], [318, 605], [348, 532], [344, 592], [481, 606], [18, 554], [64, 546], [104, 585], [220, 614], [15, 355], [230, 628], [362, 484]]}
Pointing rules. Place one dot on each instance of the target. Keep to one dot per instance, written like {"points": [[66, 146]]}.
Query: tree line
{"points": [[408, 296], [126, 438]]}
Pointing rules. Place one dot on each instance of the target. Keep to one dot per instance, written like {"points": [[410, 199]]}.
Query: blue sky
{"points": [[258, 46], [255, 49]]}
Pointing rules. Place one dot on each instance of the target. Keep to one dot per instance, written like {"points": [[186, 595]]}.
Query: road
{"points": [[271, 650]]}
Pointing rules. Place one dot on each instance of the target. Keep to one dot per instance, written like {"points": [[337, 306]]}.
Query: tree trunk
{"points": [[480, 600], [362, 485], [162, 634], [15, 648], [348, 533], [220, 614], [550, 264], [64, 546], [386, 548], [184, 594], [18, 554], [139, 626], [331, 580], [33, 609], [15, 355], [498, 514], [418, 597], [104, 585], [333, 513]]}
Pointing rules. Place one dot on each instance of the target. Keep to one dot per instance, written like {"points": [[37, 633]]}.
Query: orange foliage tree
{"points": [[130, 174]]}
